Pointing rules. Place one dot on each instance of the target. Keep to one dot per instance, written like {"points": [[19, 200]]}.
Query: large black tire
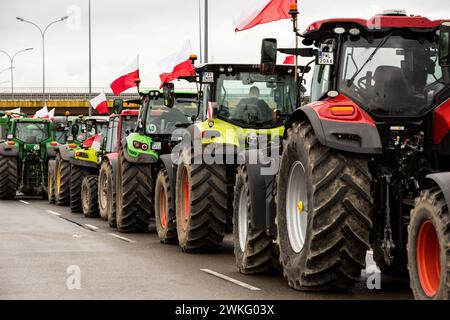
{"points": [[429, 247], [254, 251], [201, 205], [8, 177], [62, 182], [51, 181], [106, 194], [134, 196], [76, 179], [166, 226], [89, 196], [338, 206]]}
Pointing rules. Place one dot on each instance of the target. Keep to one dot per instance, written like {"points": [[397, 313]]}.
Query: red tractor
{"points": [[362, 166]]}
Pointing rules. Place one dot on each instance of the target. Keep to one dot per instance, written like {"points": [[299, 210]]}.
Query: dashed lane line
{"points": [[24, 202], [227, 278], [90, 226], [121, 238], [54, 213]]}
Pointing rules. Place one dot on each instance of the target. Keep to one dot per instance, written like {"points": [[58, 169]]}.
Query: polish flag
{"points": [[93, 142], [289, 60], [51, 114], [15, 113], [99, 103], [176, 65], [126, 78], [41, 113], [262, 11]]}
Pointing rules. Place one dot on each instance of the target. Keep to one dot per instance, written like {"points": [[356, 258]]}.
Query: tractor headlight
{"points": [[36, 147]]}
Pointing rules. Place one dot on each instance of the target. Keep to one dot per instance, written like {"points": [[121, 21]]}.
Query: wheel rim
{"points": [[428, 259], [242, 219], [163, 208], [50, 184], [297, 206], [84, 198], [58, 177], [104, 192], [185, 198]]}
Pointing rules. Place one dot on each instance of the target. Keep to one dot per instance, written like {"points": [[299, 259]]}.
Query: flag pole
{"points": [[200, 28], [293, 11], [90, 60]]}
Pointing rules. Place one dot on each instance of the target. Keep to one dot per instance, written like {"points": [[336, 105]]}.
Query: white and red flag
{"points": [[51, 114], [176, 65], [262, 11], [99, 103], [126, 78], [41, 113], [93, 142]]}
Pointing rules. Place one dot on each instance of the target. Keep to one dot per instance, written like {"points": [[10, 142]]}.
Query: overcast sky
{"points": [[152, 29]]}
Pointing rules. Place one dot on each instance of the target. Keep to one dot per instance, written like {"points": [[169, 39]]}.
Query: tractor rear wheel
{"points": [[166, 226], [201, 205], [51, 181], [134, 196], [76, 179], [106, 194], [428, 247], [323, 213], [62, 182], [89, 196], [254, 251], [8, 177]]}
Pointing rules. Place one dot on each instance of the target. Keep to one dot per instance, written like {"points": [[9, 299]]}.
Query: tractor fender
{"points": [[442, 179], [65, 153], [171, 169], [113, 159], [357, 137], [144, 158], [261, 181], [81, 163], [8, 151]]}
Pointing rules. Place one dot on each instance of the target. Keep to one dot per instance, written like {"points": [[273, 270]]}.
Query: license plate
{"points": [[156, 146], [326, 58]]}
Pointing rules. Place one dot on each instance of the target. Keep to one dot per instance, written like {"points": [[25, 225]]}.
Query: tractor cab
{"points": [[120, 126]]}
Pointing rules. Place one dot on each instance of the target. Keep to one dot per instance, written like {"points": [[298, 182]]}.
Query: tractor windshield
{"points": [[162, 120], [31, 133], [250, 99], [129, 124], [393, 75]]}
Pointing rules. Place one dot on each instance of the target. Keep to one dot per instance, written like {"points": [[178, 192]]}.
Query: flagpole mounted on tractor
{"points": [[293, 11]]}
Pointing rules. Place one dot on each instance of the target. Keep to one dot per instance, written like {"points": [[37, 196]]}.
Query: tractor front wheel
{"points": [[254, 251], [428, 247], [62, 182], [51, 181], [76, 179], [323, 213], [106, 194], [89, 196], [8, 177], [164, 209]]}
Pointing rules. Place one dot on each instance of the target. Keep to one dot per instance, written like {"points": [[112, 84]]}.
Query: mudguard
{"points": [[81, 163], [65, 153], [171, 169], [262, 185], [9, 151], [134, 155], [442, 179], [350, 136], [113, 159]]}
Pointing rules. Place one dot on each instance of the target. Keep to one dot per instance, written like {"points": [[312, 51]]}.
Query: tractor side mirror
{"points": [[268, 56], [444, 45], [118, 105], [169, 94]]}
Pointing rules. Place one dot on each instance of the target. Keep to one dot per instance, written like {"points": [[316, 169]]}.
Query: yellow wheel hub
{"points": [[300, 206]]}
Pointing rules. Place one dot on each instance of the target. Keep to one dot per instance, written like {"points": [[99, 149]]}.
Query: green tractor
{"points": [[144, 165], [79, 129], [24, 157]]}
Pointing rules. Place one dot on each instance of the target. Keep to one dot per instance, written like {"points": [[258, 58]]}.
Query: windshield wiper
{"points": [[380, 45]]}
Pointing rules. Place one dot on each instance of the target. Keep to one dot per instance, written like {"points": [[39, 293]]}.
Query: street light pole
{"points": [[90, 60], [205, 58], [11, 60], [43, 47]]}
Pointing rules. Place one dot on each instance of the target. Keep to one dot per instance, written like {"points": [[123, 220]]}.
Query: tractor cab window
{"points": [[163, 120], [2, 132], [129, 124], [31, 133], [392, 75], [250, 99], [322, 73]]}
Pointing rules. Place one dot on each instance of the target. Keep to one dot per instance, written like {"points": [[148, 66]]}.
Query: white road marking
{"points": [[224, 277], [24, 202], [76, 236], [121, 238], [90, 226], [54, 213]]}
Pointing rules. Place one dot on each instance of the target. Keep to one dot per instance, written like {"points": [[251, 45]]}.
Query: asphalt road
{"points": [[46, 252]]}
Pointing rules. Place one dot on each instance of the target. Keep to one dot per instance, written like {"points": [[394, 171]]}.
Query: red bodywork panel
{"points": [[441, 123], [380, 22], [322, 109]]}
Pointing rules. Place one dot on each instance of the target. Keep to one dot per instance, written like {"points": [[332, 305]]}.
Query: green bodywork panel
{"points": [[142, 139]]}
